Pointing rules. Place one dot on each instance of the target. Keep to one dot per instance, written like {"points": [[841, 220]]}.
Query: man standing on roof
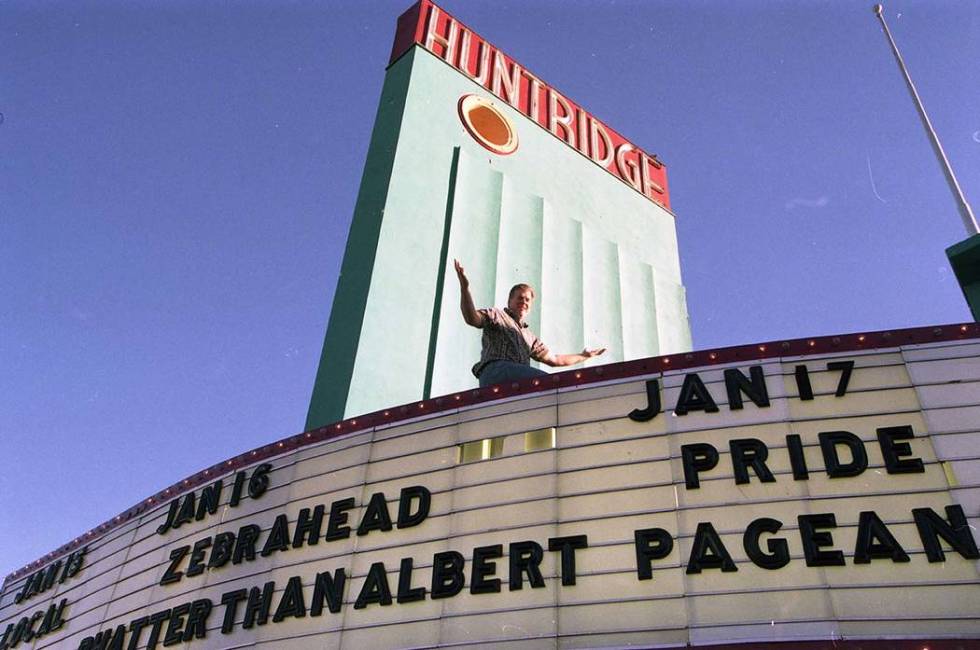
{"points": [[508, 343]]}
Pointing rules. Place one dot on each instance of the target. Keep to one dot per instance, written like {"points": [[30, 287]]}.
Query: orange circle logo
{"points": [[488, 125]]}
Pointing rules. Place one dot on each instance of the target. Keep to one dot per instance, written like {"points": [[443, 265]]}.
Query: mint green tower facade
{"points": [[602, 256]]}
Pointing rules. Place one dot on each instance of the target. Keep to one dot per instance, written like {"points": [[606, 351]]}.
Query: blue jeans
{"points": [[498, 372]]}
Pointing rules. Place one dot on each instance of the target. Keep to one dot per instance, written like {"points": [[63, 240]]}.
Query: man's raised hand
{"points": [[464, 282], [470, 314]]}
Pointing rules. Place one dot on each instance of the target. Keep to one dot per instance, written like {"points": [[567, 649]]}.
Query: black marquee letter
{"points": [[156, 622], [813, 540], [27, 590], [893, 452], [19, 632], [245, 545], [49, 619], [525, 557], [796, 458], [258, 605], [375, 588], [708, 551], [406, 592], [376, 515], [337, 527], [172, 575], [750, 452], [197, 620], [307, 529], [736, 383], [230, 600], [236, 490], [406, 518], [845, 376], [447, 574], [292, 603], [165, 526], [828, 445], [195, 565], [697, 457], [694, 396], [186, 513], [778, 555], [208, 505], [956, 533], [875, 541], [651, 544], [803, 383], [221, 550], [174, 633], [259, 483], [330, 589], [567, 546], [136, 626], [653, 404], [482, 567], [278, 539]]}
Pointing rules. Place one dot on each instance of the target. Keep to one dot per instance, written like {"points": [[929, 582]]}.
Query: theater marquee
{"points": [[810, 489]]}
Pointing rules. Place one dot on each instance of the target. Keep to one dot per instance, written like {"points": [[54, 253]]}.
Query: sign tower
{"points": [[476, 158]]}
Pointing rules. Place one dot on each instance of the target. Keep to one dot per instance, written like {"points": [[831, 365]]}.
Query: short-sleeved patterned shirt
{"points": [[505, 339]]}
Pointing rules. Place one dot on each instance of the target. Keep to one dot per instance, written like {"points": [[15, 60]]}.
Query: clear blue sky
{"points": [[177, 179]]}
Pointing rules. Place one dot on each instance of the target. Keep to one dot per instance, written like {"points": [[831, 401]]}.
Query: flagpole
{"points": [[966, 212]]}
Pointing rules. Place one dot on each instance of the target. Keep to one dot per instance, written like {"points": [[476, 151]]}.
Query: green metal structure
{"points": [[964, 257]]}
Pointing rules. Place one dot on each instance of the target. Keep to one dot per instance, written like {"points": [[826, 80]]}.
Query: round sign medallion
{"points": [[487, 124]]}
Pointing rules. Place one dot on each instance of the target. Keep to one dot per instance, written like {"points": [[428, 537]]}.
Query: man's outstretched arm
{"points": [[557, 360], [470, 314]]}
